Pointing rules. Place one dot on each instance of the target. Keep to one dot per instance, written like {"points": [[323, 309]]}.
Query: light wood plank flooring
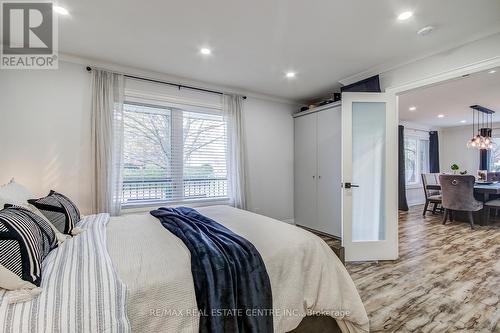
{"points": [[447, 278]]}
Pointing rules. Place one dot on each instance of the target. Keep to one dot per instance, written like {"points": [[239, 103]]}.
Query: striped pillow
{"points": [[25, 240], [59, 210]]}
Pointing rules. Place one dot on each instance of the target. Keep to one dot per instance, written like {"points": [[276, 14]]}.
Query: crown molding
{"points": [[390, 66], [92, 62]]}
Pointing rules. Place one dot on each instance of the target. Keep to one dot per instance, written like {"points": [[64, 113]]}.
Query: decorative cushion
{"points": [[25, 240], [60, 211], [16, 194]]}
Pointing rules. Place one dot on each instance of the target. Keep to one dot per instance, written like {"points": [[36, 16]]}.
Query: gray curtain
{"points": [[433, 152], [402, 203], [232, 111], [484, 154], [107, 141]]}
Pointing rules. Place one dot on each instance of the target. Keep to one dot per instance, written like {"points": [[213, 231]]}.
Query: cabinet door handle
{"points": [[314, 177]]}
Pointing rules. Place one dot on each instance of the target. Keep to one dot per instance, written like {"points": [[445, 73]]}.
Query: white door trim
{"points": [[435, 79]]}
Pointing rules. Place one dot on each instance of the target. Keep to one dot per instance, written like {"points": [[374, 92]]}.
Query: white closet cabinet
{"points": [[317, 168]]}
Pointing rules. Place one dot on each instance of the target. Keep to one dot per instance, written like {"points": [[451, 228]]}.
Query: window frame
{"points": [[147, 101], [496, 141], [418, 170]]}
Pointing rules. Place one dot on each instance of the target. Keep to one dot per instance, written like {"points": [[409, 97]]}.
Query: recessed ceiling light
{"points": [[425, 30], [60, 10], [492, 71], [405, 15], [412, 108], [290, 75], [205, 51], [463, 121], [440, 115]]}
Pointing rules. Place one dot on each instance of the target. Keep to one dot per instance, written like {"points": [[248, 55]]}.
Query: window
{"points": [[416, 159], [494, 153], [173, 155]]}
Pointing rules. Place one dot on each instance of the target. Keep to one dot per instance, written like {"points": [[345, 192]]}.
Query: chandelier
{"points": [[481, 130]]}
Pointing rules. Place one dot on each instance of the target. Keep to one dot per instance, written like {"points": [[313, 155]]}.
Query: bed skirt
{"points": [[317, 324]]}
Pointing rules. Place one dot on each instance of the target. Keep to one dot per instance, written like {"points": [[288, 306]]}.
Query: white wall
{"points": [[44, 130], [45, 139], [453, 150], [269, 137]]}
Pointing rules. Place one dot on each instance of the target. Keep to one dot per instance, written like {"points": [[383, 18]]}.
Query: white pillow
{"points": [[11, 281], [18, 289], [16, 194]]}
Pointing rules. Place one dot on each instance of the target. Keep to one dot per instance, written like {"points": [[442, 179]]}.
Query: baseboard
{"points": [[289, 221], [411, 204]]}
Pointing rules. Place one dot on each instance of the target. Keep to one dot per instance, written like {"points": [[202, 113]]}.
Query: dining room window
{"points": [[416, 159], [494, 164]]}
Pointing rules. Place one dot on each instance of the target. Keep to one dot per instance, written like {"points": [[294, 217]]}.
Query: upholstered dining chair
{"points": [[493, 176], [489, 205], [431, 196], [457, 192]]}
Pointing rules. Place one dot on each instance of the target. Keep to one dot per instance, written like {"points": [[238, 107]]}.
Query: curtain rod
{"points": [[418, 130], [89, 69]]}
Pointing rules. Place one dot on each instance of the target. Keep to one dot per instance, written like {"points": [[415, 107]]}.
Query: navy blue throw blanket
{"points": [[232, 287]]}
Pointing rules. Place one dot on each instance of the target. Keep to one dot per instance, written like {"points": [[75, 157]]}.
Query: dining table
{"points": [[482, 191]]}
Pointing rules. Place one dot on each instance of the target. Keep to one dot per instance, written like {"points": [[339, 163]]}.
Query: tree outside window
{"points": [[416, 152]]}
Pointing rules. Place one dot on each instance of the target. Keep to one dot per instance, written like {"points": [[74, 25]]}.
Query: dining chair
{"points": [[489, 205], [493, 176], [431, 196], [457, 193]]}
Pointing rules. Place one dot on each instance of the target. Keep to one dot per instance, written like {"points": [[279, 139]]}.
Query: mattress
{"points": [[307, 278]]}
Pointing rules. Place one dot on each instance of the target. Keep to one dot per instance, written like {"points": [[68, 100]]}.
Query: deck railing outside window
{"points": [[164, 190]]}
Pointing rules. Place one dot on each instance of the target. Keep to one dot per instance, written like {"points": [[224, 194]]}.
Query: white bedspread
{"points": [[306, 276], [80, 289]]}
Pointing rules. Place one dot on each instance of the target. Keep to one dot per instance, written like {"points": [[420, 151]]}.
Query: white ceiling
{"points": [[255, 42], [453, 100]]}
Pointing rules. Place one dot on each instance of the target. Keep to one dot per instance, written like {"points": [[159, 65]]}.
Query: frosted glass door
{"points": [[368, 171], [369, 174]]}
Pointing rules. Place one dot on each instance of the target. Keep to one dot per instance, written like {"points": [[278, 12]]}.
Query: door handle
{"points": [[349, 185]]}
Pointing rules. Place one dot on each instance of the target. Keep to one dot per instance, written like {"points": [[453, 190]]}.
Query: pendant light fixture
{"points": [[481, 130]]}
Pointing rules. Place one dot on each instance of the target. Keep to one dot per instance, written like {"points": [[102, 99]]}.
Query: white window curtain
{"points": [[107, 141], [232, 111]]}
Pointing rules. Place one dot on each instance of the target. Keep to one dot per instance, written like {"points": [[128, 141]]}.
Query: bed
{"points": [[306, 276], [149, 286]]}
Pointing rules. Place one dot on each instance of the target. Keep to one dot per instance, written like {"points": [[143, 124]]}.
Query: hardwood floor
{"points": [[447, 278]]}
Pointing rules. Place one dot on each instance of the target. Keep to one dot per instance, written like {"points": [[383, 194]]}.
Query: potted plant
{"points": [[454, 168]]}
